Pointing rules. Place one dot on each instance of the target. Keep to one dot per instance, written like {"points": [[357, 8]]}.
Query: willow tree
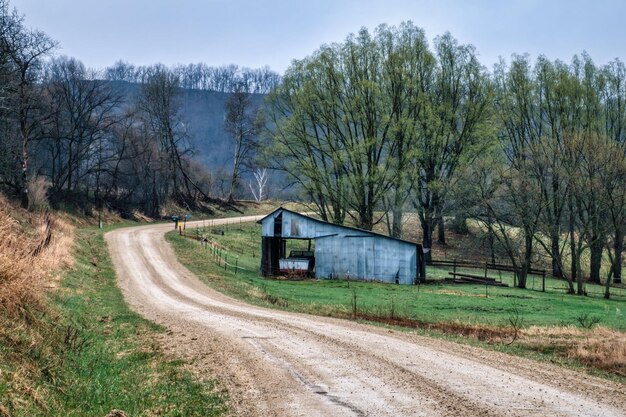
{"points": [[518, 110], [612, 85], [299, 145], [409, 64], [342, 122], [452, 126], [556, 91]]}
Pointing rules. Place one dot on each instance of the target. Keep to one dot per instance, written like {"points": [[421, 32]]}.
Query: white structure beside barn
{"points": [[339, 251]]}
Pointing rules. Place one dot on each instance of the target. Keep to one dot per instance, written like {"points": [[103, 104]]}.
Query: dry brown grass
{"points": [[605, 349], [600, 347], [139, 216], [31, 247]]}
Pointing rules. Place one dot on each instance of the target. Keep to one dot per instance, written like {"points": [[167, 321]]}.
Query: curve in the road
{"points": [[280, 363]]}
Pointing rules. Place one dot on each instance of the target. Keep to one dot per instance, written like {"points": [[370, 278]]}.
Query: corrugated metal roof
{"points": [[369, 233]]}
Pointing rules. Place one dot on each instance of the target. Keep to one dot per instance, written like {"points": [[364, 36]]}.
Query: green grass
{"points": [[98, 355], [114, 362], [432, 303]]}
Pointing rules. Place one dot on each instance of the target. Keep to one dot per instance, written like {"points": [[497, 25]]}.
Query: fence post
{"points": [[454, 266], [543, 281], [236, 263], [225, 260]]}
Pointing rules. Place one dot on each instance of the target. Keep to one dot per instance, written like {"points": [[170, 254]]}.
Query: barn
{"points": [[333, 251]]}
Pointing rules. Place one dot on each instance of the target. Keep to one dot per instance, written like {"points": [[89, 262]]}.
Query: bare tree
{"points": [[242, 124], [83, 111], [259, 189], [24, 50], [160, 111], [120, 71]]}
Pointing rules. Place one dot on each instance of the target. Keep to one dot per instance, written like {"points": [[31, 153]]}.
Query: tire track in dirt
{"points": [[283, 364]]}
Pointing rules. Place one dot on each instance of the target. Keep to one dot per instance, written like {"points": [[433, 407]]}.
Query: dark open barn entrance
{"points": [[279, 259]]}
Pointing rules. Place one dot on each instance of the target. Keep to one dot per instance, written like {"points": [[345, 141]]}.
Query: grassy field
{"points": [[434, 302], [492, 314], [81, 352]]}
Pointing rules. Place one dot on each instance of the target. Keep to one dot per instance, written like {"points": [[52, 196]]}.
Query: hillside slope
{"points": [[69, 346], [203, 114]]}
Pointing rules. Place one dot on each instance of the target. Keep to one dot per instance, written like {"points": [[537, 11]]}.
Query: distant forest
{"points": [[126, 137], [364, 130]]}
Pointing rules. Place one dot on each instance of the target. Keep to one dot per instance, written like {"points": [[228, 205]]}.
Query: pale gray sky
{"points": [[273, 32]]}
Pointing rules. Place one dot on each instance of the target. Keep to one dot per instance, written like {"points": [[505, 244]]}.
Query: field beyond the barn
{"points": [[551, 325]]}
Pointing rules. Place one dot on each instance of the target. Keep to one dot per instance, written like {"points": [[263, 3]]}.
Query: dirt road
{"points": [[284, 364]]}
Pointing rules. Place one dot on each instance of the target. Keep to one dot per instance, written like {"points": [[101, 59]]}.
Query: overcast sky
{"points": [[255, 33]]}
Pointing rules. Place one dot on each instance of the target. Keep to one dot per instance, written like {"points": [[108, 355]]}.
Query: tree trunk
{"points": [[555, 237], [366, 218], [396, 227], [233, 182], [572, 242], [580, 289], [24, 156], [556, 255], [491, 239], [441, 232], [526, 265], [427, 240], [596, 247], [155, 209], [617, 258], [24, 189], [607, 287]]}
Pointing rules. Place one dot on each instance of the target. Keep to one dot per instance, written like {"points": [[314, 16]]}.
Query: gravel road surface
{"points": [[275, 363]]}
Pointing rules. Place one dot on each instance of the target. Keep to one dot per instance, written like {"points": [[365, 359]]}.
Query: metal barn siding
{"points": [[342, 252], [371, 257]]}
